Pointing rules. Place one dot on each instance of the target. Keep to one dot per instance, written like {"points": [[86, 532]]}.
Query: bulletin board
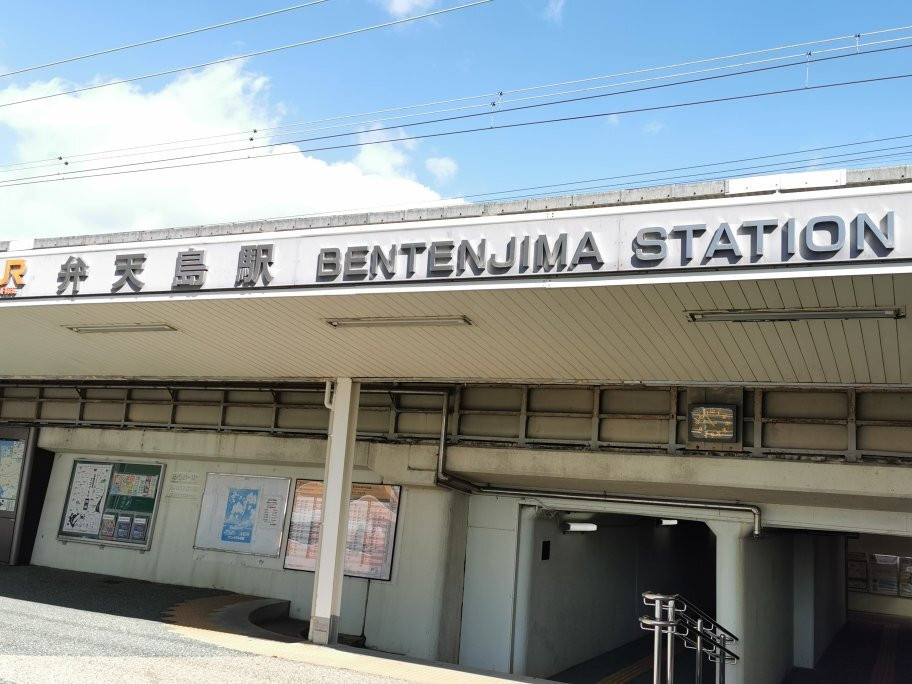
{"points": [[243, 514], [111, 503]]}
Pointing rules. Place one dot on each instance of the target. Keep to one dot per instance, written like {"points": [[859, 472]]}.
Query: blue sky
{"points": [[502, 45]]}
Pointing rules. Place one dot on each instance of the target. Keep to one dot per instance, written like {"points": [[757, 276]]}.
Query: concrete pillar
{"points": [[730, 586], [337, 481]]}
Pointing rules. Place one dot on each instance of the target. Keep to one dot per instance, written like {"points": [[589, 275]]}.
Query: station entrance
{"points": [[580, 580]]}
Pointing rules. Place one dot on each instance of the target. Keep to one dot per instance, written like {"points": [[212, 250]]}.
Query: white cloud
{"points": [[654, 128], [554, 10], [443, 168], [613, 119], [389, 160], [218, 100], [404, 8]]}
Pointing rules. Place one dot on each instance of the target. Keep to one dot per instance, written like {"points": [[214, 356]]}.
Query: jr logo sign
{"points": [[13, 277]]}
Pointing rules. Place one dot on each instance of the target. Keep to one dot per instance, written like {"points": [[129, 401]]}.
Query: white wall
{"points": [[490, 583], [411, 614], [767, 638]]}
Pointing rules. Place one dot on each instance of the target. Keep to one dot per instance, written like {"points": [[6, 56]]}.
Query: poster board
{"points": [[12, 456], [857, 571], [111, 503], [373, 510], [243, 514], [884, 571]]}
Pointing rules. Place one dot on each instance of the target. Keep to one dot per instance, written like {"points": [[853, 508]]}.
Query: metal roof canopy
{"points": [[545, 329]]}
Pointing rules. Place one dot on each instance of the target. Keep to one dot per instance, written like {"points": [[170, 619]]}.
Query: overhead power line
{"points": [[247, 150], [258, 53], [260, 133], [160, 39], [109, 171]]}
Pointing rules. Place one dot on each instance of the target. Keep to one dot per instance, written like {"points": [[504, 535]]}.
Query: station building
{"points": [[479, 433]]}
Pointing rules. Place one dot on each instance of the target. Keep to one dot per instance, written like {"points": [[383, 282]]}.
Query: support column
{"points": [[337, 481], [730, 587]]}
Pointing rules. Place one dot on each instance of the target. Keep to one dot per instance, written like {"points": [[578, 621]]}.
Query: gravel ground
{"points": [[59, 626]]}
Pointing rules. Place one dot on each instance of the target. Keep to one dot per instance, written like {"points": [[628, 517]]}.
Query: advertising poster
{"points": [[138, 529], [88, 491], [132, 484], [108, 523], [884, 574], [857, 571], [12, 453], [372, 513], [905, 577], [239, 515], [243, 514], [122, 528]]}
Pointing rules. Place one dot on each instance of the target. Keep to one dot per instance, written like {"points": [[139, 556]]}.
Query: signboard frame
{"points": [[282, 516], [390, 554], [97, 538]]}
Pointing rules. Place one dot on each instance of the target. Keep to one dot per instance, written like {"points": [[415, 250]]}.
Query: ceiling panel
{"points": [[597, 334]]}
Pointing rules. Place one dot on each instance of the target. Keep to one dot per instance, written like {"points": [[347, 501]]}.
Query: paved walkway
{"points": [[59, 626]]}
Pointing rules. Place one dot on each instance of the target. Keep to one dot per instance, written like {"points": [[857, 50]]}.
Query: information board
{"points": [[884, 574], [243, 514], [12, 454], [111, 503], [857, 571], [372, 513]]}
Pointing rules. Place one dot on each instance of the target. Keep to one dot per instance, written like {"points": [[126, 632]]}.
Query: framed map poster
{"points": [[243, 514], [106, 497], [373, 511]]}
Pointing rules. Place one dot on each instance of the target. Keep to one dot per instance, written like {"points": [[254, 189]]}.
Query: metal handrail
{"points": [[676, 618]]}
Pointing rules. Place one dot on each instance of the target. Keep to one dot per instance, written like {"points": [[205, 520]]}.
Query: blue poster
{"points": [[240, 515]]}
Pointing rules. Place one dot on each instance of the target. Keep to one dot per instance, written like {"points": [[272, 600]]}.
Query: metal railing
{"points": [[676, 620]]}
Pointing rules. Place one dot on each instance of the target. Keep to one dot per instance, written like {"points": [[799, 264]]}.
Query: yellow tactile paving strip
{"points": [[197, 619]]}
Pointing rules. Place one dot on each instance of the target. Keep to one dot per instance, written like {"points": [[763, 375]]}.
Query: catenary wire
{"points": [[74, 175], [856, 46], [248, 55], [161, 39], [83, 158]]}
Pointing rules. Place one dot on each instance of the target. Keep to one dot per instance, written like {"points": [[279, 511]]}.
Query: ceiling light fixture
{"points": [[774, 315], [579, 527], [399, 321], [121, 328]]}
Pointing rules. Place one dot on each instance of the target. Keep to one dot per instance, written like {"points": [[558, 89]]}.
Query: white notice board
{"points": [[243, 514]]}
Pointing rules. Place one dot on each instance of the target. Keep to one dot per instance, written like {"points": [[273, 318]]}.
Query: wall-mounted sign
{"points": [[712, 423], [243, 514], [12, 455], [111, 503], [857, 571], [372, 513], [884, 569], [592, 242]]}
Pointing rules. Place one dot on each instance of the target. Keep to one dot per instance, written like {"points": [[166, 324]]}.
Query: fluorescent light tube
{"points": [[399, 321], [772, 315], [667, 522], [121, 328], [579, 527]]}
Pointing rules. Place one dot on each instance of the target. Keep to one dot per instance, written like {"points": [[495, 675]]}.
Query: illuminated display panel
{"points": [[713, 422]]}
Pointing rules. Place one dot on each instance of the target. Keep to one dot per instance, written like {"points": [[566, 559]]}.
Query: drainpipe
{"points": [[446, 479]]}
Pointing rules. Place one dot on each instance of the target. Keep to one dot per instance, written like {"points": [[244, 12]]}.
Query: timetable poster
{"points": [[372, 514], [85, 504]]}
